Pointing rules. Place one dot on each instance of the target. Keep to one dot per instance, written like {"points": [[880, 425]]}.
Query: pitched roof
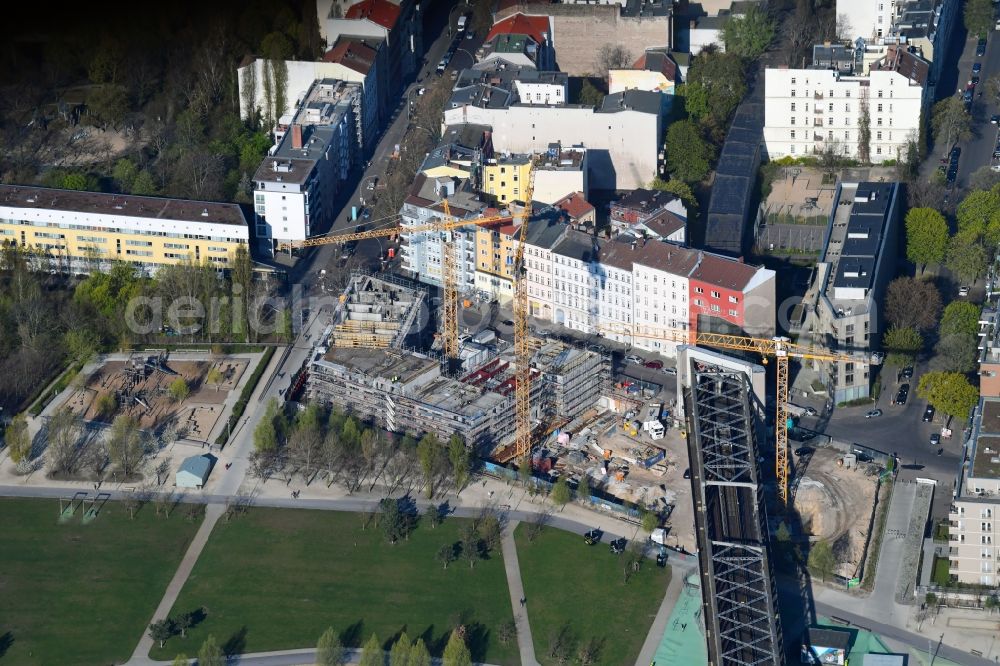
{"points": [[724, 272], [910, 65], [381, 12], [664, 223], [657, 61], [575, 205], [197, 465], [536, 27], [645, 200], [353, 54]]}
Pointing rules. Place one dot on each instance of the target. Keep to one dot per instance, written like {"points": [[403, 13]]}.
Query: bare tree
{"points": [[612, 56], [62, 435], [125, 445]]}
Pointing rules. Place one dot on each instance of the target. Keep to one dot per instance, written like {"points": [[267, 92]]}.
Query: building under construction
{"points": [[376, 312], [406, 391], [740, 601]]}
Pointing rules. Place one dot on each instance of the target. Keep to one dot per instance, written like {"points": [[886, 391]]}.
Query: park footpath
{"points": [[525, 643]]}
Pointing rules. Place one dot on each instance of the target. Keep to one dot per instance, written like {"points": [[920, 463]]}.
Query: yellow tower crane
{"points": [[522, 350], [449, 323], [780, 349]]}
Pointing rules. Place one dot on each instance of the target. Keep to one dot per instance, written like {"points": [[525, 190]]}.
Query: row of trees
{"points": [[330, 651], [313, 442]]}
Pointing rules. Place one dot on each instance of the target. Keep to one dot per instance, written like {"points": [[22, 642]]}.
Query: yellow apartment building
{"points": [[495, 250], [83, 230], [505, 177]]}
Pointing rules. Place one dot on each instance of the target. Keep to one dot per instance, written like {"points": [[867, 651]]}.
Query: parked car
{"points": [[981, 47], [421, 90], [995, 119], [929, 414], [875, 413], [670, 371], [804, 450], [901, 397], [618, 546], [592, 537], [687, 473], [906, 373], [632, 358], [371, 184], [936, 439], [655, 365], [508, 322], [977, 67], [963, 291]]}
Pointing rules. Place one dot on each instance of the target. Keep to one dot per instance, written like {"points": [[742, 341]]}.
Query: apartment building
{"points": [[577, 210], [622, 137], [810, 111], [856, 265], [496, 84], [496, 247], [654, 71], [505, 177], [354, 59], [541, 240], [521, 40], [81, 232], [560, 172], [641, 205], [421, 253], [295, 186]]}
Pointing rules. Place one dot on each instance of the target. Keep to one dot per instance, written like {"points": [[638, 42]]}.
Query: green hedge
{"points": [[57, 388], [245, 394]]}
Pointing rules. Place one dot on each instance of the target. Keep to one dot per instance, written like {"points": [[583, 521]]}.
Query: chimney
{"points": [[296, 136]]}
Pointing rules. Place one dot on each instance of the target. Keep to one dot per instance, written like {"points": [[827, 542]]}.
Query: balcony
{"points": [[817, 95], [817, 122]]}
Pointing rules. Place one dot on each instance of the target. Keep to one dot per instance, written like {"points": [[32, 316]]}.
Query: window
{"points": [[830, 105], [733, 313], [699, 290], [880, 94], [733, 299], [139, 253], [793, 107], [847, 107], [716, 294], [176, 246], [847, 93], [138, 243], [793, 149], [793, 83], [847, 136], [715, 308], [793, 121], [793, 134], [829, 135], [829, 121], [878, 135], [793, 93], [880, 108], [697, 301], [878, 150]]}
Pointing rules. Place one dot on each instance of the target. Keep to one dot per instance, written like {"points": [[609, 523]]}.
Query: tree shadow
{"points": [[351, 637], [477, 637], [392, 640], [197, 616], [427, 636], [236, 643], [6, 641]]}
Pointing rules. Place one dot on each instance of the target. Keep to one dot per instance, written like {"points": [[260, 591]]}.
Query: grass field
{"points": [[276, 579], [941, 574], [82, 594], [578, 589]]}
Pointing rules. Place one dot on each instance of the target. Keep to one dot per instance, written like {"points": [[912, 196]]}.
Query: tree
{"points": [[978, 17], [926, 237], [903, 344], [456, 652], [400, 653], [161, 630], [679, 189], [124, 174], [612, 56], [689, 156], [143, 185], [716, 85], [81, 344], [458, 454], [179, 390], [949, 392], [471, 546], [955, 352], [949, 122], [750, 35], [419, 656], [62, 434], [77, 180], [560, 492], [329, 650], [105, 405], [650, 521], [265, 436], [184, 622], [180, 660], [17, 438], [109, 104], [506, 632], [210, 654], [125, 445], [215, 377], [590, 95], [429, 453], [966, 256], [975, 212], [959, 318], [583, 489], [821, 559], [524, 470], [913, 303], [371, 653], [393, 520], [445, 554]]}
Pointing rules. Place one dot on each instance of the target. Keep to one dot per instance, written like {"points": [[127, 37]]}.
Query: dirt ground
{"points": [[835, 504], [140, 387]]}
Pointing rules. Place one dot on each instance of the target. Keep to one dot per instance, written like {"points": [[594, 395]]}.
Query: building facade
{"points": [[82, 232], [810, 111]]}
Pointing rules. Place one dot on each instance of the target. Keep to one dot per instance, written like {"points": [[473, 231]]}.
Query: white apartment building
{"points": [[543, 88], [807, 111], [868, 19], [296, 185]]}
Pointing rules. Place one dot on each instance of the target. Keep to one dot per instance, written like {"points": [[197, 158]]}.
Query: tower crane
{"points": [[449, 323], [781, 349], [522, 351]]}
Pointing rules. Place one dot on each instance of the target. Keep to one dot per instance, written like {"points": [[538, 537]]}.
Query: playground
{"points": [[81, 579], [141, 387]]}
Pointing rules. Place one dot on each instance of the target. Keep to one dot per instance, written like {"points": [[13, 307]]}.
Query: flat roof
{"points": [[181, 210]]}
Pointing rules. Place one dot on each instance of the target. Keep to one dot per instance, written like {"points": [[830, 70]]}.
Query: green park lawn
{"points": [[82, 594], [578, 589], [275, 579]]}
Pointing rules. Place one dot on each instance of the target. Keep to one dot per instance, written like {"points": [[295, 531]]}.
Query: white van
{"points": [[461, 23]]}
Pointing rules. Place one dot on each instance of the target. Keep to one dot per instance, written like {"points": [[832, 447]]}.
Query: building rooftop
{"points": [[857, 236], [352, 53], [647, 8], [398, 367], [536, 27], [545, 231], [580, 246], [655, 60], [510, 43], [75, 201], [724, 272], [985, 459], [197, 465], [905, 62], [463, 200], [575, 205], [665, 223], [644, 201], [833, 56], [558, 159], [644, 101], [382, 12]]}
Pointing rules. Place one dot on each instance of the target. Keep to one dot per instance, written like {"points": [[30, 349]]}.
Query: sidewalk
{"points": [[212, 514], [525, 643]]}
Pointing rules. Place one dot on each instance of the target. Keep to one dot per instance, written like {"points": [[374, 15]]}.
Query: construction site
{"points": [[140, 387], [376, 313]]}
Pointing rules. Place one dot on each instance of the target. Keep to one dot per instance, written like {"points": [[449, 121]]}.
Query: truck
{"points": [[655, 429], [796, 410]]}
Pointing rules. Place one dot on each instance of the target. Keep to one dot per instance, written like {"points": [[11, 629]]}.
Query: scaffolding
{"points": [[739, 594]]}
